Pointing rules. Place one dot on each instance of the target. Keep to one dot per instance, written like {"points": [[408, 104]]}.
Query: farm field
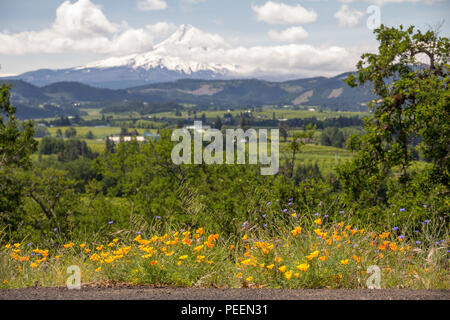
{"points": [[99, 132], [266, 113]]}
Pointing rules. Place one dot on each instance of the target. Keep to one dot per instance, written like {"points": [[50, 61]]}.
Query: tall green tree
{"points": [[409, 74], [16, 146]]}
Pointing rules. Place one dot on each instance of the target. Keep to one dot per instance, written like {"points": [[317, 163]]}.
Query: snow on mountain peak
{"points": [[177, 53]]}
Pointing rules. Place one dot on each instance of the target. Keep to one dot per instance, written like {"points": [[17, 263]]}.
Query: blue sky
{"points": [[82, 31]]}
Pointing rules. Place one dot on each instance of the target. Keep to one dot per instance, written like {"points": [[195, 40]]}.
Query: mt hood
{"points": [[178, 57]]}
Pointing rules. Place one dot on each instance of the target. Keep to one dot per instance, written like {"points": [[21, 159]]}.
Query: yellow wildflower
{"points": [[296, 231], [303, 267], [393, 246]]}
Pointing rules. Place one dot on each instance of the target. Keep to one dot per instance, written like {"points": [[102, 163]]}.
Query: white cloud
{"points": [[381, 2], [82, 27], [193, 1], [348, 18], [280, 13], [191, 45], [149, 5], [82, 18], [289, 35]]}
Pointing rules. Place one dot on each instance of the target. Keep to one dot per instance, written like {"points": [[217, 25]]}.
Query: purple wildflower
{"points": [[341, 211], [402, 209], [264, 216], [326, 216], [158, 217], [29, 244], [418, 242], [111, 222], [265, 225], [316, 214], [268, 203], [394, 228], [285, 210]]}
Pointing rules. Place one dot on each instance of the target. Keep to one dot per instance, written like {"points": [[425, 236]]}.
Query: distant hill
{"points": [[328, 93], [66, 98]]}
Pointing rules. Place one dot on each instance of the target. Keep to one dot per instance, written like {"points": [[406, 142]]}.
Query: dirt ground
{"points": [[165, 293]]}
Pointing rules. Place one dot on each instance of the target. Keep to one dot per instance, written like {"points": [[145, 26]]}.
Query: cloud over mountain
{"points": [[150, 5], [348, 18], [280, 13], [82, 27], [289, 35]]}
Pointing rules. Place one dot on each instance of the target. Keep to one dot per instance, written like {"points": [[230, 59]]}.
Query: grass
{"points": [[308, 253], [99, 132]]}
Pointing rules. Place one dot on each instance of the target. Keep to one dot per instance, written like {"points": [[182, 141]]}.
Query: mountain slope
{"points": [[327, 93]]}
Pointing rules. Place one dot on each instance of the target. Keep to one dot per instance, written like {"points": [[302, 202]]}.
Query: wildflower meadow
{"points": [[309, 251]]}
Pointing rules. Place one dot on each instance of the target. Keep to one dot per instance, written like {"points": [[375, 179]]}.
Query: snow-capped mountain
{"points": [[177, 57]]}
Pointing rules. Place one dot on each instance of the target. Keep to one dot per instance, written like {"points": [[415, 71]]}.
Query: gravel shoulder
{"points": [[165, 293]]}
